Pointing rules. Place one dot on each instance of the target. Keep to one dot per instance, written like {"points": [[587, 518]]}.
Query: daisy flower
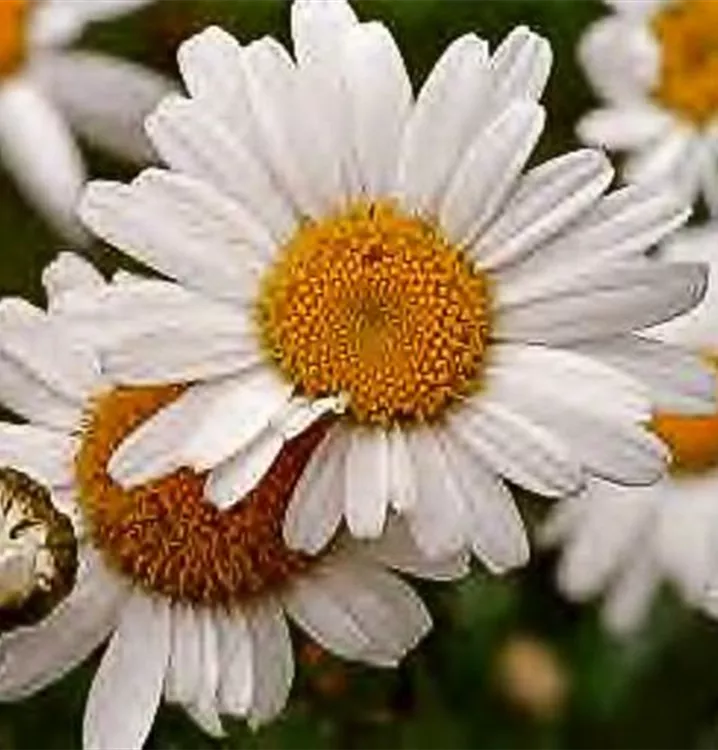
{"points": [[194, 601], [654, 64], [46, 92], [627, 541], [343, 251]]}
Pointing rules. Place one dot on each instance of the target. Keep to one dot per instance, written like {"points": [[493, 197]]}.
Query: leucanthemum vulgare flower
{"points": [[344, 252], [655, 64], [46, 92], [627, 541], [194, 601]]}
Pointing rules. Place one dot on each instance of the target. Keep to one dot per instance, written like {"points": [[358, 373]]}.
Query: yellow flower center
{"points": [[687, 31], [377, 305], [164, 535], [693, 440], [13, 34]]}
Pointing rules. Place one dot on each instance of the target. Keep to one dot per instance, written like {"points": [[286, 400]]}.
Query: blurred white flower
{"points": [[195, 601], [46, 92], [654, 63], [626, 541], [344, 251]]}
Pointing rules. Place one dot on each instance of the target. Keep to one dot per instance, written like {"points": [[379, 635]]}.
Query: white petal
{"points": [[661, 160], [67, 274], [314, 607], [59, 22], [367, 482], [489, 170], [31, 397], [45, 455], [402, 483], [516, 448], [612, 529], [677, 380], [437, 520], [390, 616], [301, 413], [621, 60], [618, 299], [443, 123], [596, 411], [566, 378], [33, 657], [396, 548], [622, 225], [544, 201], [379, 96], [105, 316], [234, 693], [190, 140], [183, 228], [317, 504], [494, 527], [520, 66], [212, 67], [174, 354], [231, 481], [272, 661], [314, 24], [130, 675], [290, 131], [236, 416], [78, 83], [34, 341], [193, 669], [154, 449], [51, 176], [628, 601], [626, 127]]}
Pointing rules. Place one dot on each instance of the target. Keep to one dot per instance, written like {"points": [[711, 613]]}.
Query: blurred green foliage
{"points": [[656, 691]]}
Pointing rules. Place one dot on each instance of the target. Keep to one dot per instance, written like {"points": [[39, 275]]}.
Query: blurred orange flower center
{"points": [[687, 31], [13, 34], [693, 440], [164, 535], [377, 305]]}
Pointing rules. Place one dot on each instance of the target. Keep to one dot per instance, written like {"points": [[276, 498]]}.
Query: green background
{"points": [[656, 690]]}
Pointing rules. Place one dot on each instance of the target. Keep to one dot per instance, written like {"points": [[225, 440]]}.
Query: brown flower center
{"points": [[377, 305], [164, 535], [687, 31]]}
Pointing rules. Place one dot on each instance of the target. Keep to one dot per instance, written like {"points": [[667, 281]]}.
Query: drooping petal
{"points": [[130, 675]]}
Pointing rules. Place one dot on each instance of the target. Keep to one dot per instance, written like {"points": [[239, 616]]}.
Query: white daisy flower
{"points": [[46, 92], [627, 541], [653, 63], [195, 601], [341, 249]]}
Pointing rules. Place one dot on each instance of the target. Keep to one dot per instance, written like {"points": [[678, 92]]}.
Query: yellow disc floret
{"points": [[693, 440], [377, 305], [687, 32], [13, 34], [164, 535]]}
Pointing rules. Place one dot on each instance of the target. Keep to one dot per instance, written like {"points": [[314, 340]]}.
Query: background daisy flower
{"points": [[418, 289], [655, 65], [195, 602], [627, 541], [46, 92]]}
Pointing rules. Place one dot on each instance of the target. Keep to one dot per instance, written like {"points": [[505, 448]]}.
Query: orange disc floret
{"points": [[164, 535], [376, 304], [687, 33], [693, 440], [13, 34]]}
